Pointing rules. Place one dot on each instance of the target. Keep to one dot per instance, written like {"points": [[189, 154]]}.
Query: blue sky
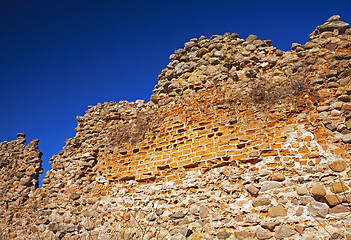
{"points": [[58, 57]]}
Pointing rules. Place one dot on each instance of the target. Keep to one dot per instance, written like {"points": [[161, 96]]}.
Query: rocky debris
{"points": [[332, 26]]}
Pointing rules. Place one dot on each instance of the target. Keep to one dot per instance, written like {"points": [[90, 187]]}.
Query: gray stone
{"points": [[74, 195], [346, 138], [262, 233], [317, 209], [304, 200], [299, 211], [250, 47], [179, 214], [261, 201], [269, 225], [302, 191], [251, 38], [284, 232], [218, 54], [269, 185], [204, 211], [185, 232], [213, 61]]}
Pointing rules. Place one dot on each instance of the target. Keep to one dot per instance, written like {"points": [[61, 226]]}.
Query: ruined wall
{"points": [[239, 141]]}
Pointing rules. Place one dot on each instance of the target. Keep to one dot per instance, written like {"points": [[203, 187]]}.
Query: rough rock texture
{"points": [[240, 140]]}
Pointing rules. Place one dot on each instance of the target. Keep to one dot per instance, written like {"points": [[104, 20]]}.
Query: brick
{"points": [[284, 152], [268, 153], [303, 150]]}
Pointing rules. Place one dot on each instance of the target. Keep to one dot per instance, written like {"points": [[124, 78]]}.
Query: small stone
{"points": [[338, 166], [250, 47], [214, 61], [339, 209], [239, 218], [346, 138], [304, 200], [338, 187], [218, 54], [335, 236], [344, 98], [262, 233], [269, 225], [252, 190], [302, 191], [299, 211], [179, 214], [185, 232], [270, 185], [348, 124], [318, 190], [277, 211], [335, 113], [21, 135], [279, 53], [251, 38], [333, 199], [26, 181], [224, 234], [318, 209], [196, 236], [278, 177], [261, 201], [300, 229], [241, 235], [151, 217], [284, 232], [74, 195], [204, 211]]}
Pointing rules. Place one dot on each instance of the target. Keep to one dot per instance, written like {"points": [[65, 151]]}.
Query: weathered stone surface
{"points": [[269, 185], [252, 189], [338, 166], [179, 214], [185, 232], [261, 201], [284, 232], [318, 209], [224, 234], [262, 233], [339, 209], [338, 187], [333, 199], [277, 211], [318, 190], [346, 138], [204, 211]]}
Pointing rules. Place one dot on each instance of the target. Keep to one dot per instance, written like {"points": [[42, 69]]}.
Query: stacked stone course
{"points": [[239, 141]]}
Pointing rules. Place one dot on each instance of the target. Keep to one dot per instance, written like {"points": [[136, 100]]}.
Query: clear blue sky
{"points": [[58, 57]]}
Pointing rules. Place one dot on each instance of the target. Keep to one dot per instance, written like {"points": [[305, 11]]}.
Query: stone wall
{"points": [[239, 141]]}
